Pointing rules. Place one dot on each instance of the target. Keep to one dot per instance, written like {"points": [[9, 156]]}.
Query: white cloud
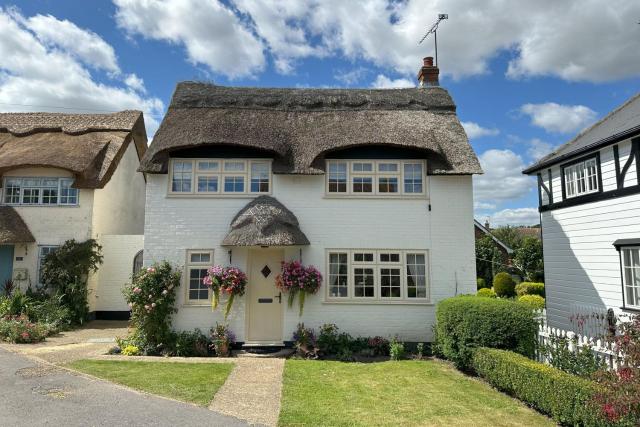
{"points": [[211, 33], [559, 118], [538, 149], [350, 77], [574, 39], [502, 179], [474, 130], [517, 216], [39, 76], [384, 82], [82, 44], [483, 206], [135, 83]]}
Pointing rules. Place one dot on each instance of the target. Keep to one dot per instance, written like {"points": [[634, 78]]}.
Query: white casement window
{"points": [[43, 251], [380, 178], [631, 276], [198, 262], [581, 178], [210, 177], [39, 191], [366, 275]]}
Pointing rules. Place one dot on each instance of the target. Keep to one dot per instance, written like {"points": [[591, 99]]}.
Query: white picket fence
{"points": [[547, 337]]}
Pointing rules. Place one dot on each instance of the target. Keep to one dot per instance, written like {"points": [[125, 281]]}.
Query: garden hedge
{"points": [[530, 288], [504, 285], [534, 301], [562, 396], [486, 293], [464, 323], [481, 283]]}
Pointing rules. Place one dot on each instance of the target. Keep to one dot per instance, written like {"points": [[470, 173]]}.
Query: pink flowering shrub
{"points": [[619, 400], [151, 297], [228, 280], [297, 279], [20, 330]]}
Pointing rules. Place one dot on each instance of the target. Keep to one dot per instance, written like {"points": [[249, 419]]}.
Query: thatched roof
{"points": [[88, 145], [265, 222], [300, 126], [12, 227]]}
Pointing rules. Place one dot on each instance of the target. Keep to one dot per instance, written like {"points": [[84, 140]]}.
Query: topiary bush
{"points": [[530, 288], [564, 397], [534, 301], [504, 286], [486, 293], [481, 283], [465, 323]]}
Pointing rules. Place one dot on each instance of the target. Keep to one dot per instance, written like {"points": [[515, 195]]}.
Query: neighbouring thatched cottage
{"points": [[72, 176], [373, 187]]}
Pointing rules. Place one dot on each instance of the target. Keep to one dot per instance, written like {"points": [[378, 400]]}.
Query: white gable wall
{"points": [[175, 224]]}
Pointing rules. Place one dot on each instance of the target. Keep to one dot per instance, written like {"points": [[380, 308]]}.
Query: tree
{"points": [[66, 270], [528, 259], [489, 259], [510, 236]]}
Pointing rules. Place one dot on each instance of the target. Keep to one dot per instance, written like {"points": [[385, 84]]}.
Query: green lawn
{"points": [[190, 382], [407, 393]]}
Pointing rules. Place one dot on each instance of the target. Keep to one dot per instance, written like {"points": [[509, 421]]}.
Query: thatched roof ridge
{"points": [[300, 126], [88, 145], [12, 228], [265, 222]]}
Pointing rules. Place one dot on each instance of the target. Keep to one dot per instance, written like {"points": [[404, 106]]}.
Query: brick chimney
{"points": [[428, 74]]}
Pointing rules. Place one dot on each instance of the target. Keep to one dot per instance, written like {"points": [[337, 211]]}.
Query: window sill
{"points": [[378, 302], [197, 304], [376, 196], [38, 206], [633, 309], [216, 195]]}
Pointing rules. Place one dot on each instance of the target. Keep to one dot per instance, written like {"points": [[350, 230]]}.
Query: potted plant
{"points": [[222, 339]]}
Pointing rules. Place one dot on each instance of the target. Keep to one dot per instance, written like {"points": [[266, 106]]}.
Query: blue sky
{"points": [[526, 76]]}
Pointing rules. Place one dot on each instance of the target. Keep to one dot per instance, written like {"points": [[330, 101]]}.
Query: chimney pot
{"points": [[428, 74], [428, 61]]}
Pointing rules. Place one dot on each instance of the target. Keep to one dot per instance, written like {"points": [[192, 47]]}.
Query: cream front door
{"points": [[265, 309]]}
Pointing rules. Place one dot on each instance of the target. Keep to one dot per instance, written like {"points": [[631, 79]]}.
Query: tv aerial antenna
{"points": [[434, 30]]}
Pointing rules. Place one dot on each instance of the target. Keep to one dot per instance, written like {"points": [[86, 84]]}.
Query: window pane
{"points": [[413, 178], [182, 174], [338, 275], [50, 196], [207, 184], [363, 257], [416, 276], [234, 184], [259, 177], [387, 185], [200, 257], [390, 283], [362, 184], [68, 195], [337, 177], [197, 290], [363, 282], [209, 166], [234, 166], [44, 251], [30, 196], [362, 167], [12, 190], [390, 257], [387, 167]]}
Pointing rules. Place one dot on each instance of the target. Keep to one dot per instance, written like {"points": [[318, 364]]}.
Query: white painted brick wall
{"points": [[175, 224]]}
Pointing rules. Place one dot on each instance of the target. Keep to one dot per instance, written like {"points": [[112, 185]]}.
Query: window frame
{"points": [[580, 166], [376, 265], [221, 173], [376, 175], [188, 267], [41, 189], [40, 259], [625, 304]]}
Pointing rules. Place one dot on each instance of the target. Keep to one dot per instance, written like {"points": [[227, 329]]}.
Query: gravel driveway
{"points": [[35, 394]]}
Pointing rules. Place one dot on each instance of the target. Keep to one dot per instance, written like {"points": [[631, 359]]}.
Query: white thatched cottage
{"points": [[589, 190], [72, 176], [373, 187]]}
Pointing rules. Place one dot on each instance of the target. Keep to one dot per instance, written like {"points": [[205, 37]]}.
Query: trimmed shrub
{"points": [[562, 396], [191, 344], [530, 288], [482, 284], [486, 293], [534, 301], [504, 286], [464, 323]]}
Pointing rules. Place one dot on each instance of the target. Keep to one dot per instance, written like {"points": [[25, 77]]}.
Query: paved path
{"points": [[38, 394]]}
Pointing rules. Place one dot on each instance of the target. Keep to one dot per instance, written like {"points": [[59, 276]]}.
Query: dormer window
{"points": [[382, 178], [219, 177], [39, 191], [581, 178]]}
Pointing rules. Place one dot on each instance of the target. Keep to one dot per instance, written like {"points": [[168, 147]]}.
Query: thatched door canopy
{"points": [[12, 227], [265, 222]]}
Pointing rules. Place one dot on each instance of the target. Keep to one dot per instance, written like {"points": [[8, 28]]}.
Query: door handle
{"points": [[279, 296]]}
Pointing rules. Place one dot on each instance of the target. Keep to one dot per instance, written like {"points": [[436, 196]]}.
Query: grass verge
{"points": [[408, 393], [190, 382]]}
